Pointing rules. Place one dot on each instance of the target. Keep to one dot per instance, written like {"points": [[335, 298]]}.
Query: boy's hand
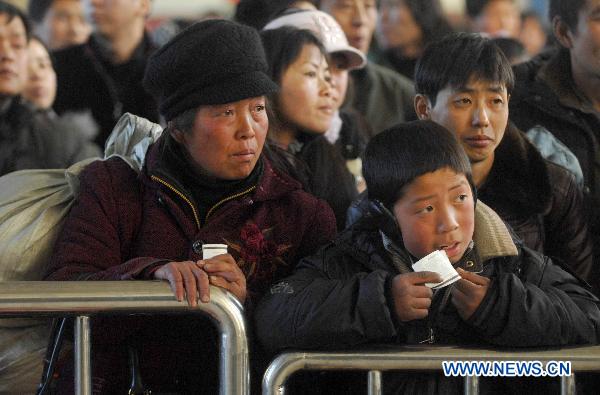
{"points": [[468, 292], [411, 297]]}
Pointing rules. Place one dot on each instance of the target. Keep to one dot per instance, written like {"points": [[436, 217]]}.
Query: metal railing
{"points": [[85, 298], [422, 357]]}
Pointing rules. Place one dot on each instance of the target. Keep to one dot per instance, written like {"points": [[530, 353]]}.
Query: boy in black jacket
{"points": [[362, 289]]}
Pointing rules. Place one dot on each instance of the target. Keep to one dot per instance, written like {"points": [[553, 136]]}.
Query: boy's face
{"points": [[476, 113], [437, 212]]}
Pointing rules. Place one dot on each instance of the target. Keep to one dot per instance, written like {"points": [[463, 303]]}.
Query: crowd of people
{"points": [[330, 145]]}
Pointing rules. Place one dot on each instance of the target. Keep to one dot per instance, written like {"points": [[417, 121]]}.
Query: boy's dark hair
{"points": [[12, 11], [567, 11], [398, 155], [37, 9], [455, 59], [475, 7]]}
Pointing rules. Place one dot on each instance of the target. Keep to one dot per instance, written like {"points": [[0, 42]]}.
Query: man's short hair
{"points": [[455, 59], [567, 11], [397, 156], [12, 12]]}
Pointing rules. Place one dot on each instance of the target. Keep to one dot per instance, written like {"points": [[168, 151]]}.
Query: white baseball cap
{"points": [[326, 29]]}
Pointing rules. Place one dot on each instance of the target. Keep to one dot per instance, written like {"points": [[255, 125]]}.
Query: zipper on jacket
{"points": [[181, 195], [431, 338], [220, 202]]}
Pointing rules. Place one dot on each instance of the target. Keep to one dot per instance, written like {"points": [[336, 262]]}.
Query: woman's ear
{"points": [[176, 134], [422, 106], [562, 32]]}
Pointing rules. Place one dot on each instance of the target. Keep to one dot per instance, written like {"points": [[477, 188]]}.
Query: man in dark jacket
{"points": [[104, 75], [205, 181], [362, 289], [464, 83], [28, 140], [560, 91]]}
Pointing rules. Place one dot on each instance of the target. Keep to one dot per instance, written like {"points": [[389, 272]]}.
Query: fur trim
{"points": [[519, 178]]}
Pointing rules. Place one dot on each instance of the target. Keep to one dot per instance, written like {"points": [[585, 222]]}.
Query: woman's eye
{"points": [[425, 210], [259, 108], [311, 74]]}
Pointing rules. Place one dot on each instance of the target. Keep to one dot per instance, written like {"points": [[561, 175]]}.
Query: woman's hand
{"points": [[224, 272], [468, 293], [186, 278], [411, 297], [191, 279]]}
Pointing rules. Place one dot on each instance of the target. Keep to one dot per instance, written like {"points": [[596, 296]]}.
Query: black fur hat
{"points": [[211, 62]]}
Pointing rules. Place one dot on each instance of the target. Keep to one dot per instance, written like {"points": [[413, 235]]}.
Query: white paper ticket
{"points": [[437, 262]]}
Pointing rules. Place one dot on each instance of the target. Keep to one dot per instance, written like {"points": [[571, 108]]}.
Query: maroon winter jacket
{"points": [[123, 224]]}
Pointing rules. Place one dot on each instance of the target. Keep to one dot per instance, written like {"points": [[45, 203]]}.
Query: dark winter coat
{"points": [[544, 95], [341, 297], [88, 80], [31, 140], [541, 201], [124, 224], [382, 96]]}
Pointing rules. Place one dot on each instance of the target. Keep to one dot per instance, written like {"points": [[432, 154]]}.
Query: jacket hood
{"points": [[519, 177]]}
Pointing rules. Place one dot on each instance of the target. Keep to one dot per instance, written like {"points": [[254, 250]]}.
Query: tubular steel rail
{"points": [[83, 299], [422, 357]]}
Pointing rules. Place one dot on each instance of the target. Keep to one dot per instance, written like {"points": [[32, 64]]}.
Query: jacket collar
{"points": [[519, 177], [557, 75], [271, 186]]}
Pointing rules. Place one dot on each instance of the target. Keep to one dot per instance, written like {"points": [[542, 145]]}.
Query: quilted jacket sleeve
{"points": [[544, 306], [100, 228], [331, 301]]}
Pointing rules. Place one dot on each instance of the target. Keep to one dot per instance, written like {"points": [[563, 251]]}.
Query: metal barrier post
{"points": [[567, 385], [472, 385], [374, 382], [83, 371]]}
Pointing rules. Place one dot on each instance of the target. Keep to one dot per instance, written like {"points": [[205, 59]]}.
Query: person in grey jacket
{"points": [[361, 288]]}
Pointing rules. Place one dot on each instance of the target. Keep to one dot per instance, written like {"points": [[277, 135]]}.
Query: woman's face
{"points": [[397, 26], [227, 139], [305, 96], [40, 88]]}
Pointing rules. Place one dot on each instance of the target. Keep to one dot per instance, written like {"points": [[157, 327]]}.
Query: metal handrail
{"points": [[421, 357], [85, 298]]}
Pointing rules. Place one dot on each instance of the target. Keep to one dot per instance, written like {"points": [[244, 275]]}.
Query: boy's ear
{"points": [[562, 32], [422, 106]]}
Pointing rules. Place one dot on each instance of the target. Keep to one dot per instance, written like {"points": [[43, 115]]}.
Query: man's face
{"points": [[13, 56], [499, 18], [227, 139], [476, 113], [64, 24], [397, 25], [357, 19], [585, 42], [436, 212], [109, 17], [338, 67]]}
